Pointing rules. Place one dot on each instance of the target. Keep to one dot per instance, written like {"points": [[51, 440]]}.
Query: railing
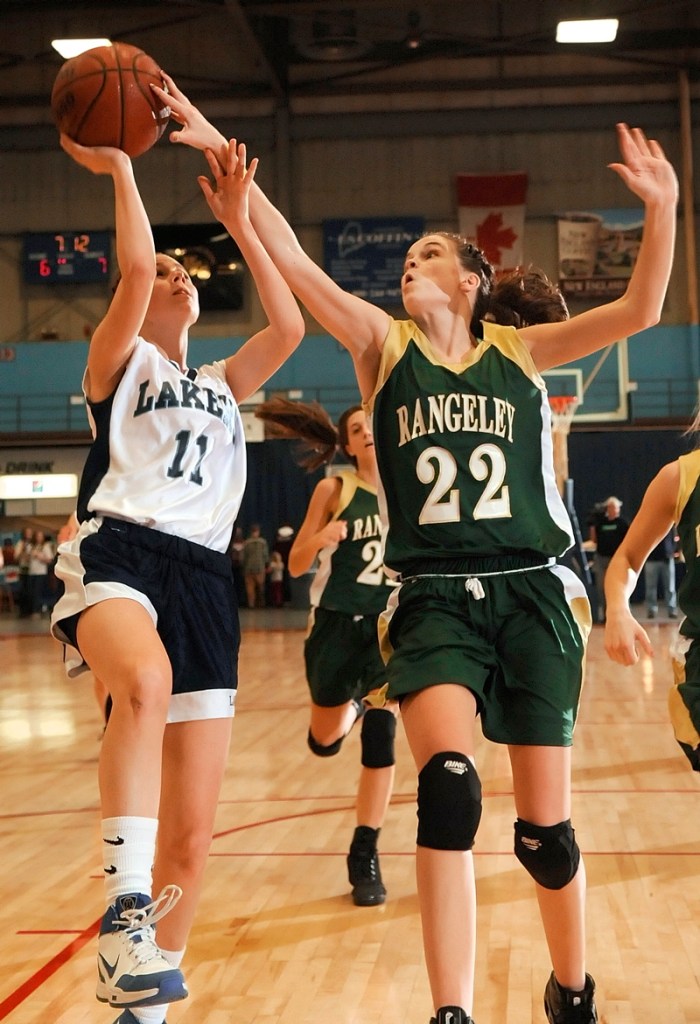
{"points": [[665, 399], [51, 414], [654, 401]]}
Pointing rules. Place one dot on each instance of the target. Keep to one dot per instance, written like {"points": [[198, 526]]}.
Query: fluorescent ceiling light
{"points": [[72, 47], [594, 30]]}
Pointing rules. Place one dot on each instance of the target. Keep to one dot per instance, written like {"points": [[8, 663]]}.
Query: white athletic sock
{"points": [[156, 1014], [128, 852]]}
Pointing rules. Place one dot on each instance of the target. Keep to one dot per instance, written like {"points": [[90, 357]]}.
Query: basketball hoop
{"points": [[563, 408]]}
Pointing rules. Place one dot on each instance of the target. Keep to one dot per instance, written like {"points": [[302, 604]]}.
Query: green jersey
{"points": [[688, 520], [350, 576], [465, 452]]}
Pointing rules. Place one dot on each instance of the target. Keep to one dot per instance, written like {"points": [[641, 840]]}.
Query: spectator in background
{"points": [[256, 556], [41, 555], [283, 544], [607, 533], [236, 553], [8, 552], [276, 570], [660, 569], [22, 555]]}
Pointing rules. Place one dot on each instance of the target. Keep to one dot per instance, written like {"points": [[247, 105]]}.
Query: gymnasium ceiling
{"points": [[346, 56]]}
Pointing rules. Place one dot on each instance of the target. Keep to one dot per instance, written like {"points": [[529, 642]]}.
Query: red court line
{"points": [[49, 931], [28, 987], [397, 800], [48, 814], [477, 853]]}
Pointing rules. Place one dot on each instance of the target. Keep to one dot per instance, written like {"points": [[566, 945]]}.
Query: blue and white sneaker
{"points": [[131, 970], [127, 1018]]}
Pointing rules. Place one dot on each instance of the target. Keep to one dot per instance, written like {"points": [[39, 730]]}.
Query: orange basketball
{"points": [[103, 97]]}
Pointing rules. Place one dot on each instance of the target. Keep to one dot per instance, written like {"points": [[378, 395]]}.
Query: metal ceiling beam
{"points": [[278, 81]]}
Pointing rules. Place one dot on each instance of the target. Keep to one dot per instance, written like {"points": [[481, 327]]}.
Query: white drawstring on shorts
{"points": [[472, 584]]}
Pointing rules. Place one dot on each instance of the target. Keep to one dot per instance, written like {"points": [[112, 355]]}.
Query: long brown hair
{"points": [[309, 423], [521, 297]]}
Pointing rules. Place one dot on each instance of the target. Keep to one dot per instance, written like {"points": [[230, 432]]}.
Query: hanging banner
{"points": [[491, 210], [597, 251], [365, 255]]}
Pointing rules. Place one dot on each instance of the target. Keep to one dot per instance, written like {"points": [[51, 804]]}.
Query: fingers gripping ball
{"points": [[103, 97]]}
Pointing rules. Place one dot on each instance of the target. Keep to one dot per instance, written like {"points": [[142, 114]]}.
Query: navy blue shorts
{"points": [[186, 588]]}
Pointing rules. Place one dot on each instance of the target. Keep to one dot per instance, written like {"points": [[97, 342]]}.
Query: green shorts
{"points": [[342, 657], [519, 649]]}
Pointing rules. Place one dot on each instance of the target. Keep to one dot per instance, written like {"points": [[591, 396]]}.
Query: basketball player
{"points": [[148, 602], [484, 622], [343, 530], [672, 498]]}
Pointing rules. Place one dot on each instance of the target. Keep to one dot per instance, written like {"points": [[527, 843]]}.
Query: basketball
{"points": [[103, 97]]}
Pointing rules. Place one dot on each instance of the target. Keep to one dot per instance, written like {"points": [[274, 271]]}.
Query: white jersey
{"points": [[168, 451]]}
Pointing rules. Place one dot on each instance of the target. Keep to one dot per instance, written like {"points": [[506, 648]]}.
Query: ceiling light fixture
{"points": [[414, 38], [72, 47], [594, 30]]}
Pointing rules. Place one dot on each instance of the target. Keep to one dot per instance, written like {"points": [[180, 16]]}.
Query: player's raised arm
{"points": [[265, 352], [358, 325], [114, 337], [649, 175]]}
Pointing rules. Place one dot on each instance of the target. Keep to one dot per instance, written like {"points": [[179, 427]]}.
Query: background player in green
{"points": [[342, 530], [672, 497], [483, 625]]}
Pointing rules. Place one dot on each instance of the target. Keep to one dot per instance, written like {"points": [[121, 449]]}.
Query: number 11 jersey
{"points": [[168, 450]]}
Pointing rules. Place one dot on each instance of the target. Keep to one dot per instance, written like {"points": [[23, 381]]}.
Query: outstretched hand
{"points": [[98, 159], [196, 131], [645, 170], [228, 197]]}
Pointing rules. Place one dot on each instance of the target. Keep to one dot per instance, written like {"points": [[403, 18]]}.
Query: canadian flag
{"points": [[492, 215]]}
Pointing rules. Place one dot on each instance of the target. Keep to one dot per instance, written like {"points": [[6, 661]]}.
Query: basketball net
{"points": [[563, 408]]}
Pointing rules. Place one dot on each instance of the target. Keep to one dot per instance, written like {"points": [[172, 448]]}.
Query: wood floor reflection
{"points": [[277, 939]]}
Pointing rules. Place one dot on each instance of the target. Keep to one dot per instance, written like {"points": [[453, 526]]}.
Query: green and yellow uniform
{"points": [[475, 522], [684, 697], [349, 591]]}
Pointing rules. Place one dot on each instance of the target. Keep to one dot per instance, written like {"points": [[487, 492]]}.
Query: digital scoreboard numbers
{"points": [[66, 257]]}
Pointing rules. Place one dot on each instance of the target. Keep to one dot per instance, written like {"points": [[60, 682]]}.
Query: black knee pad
{"points": [[548, 852], [377, 737], [449, 802], [319, 750]]}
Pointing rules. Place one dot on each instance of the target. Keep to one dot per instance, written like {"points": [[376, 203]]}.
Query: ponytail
{"points": [[526, 296], [307, 422]]}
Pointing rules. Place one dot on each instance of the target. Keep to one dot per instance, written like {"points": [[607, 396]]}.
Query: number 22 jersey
{"points": [[465, 452], [350, 576]]}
